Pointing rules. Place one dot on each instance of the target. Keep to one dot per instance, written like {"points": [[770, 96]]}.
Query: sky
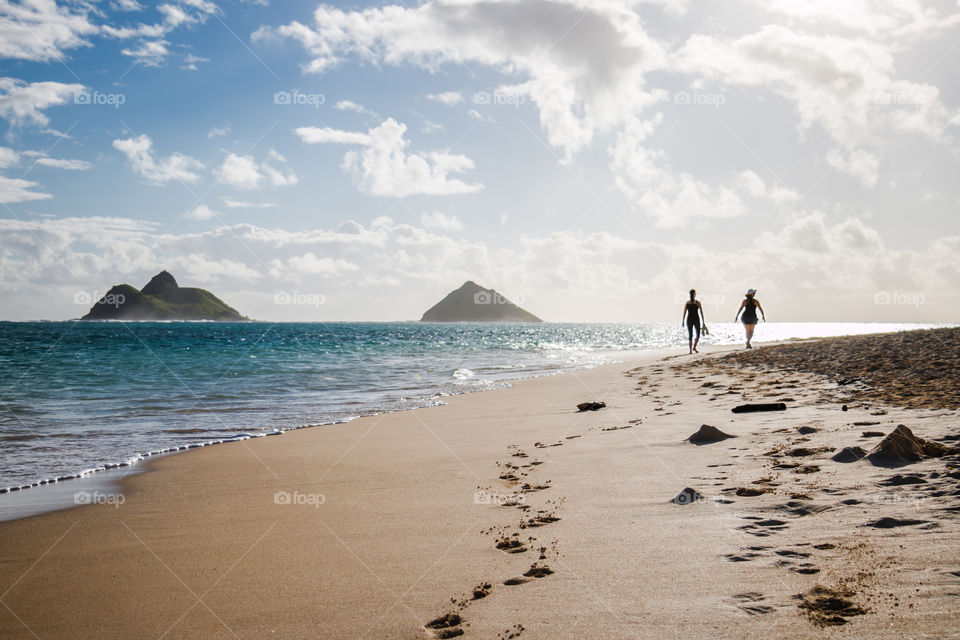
{"points": [[591, 160]]}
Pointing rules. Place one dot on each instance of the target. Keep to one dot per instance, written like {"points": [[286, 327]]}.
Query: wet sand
{"points": [[510, 514]]}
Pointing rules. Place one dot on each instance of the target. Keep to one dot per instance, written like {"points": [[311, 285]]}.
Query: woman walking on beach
{"points": [[692, 312], [749, 307]]}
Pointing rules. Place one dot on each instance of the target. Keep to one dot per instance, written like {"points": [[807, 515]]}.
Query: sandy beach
{"points": [[509, 514]]}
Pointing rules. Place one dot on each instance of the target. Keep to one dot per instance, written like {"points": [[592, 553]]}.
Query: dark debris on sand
{"points": [[708, 434]]}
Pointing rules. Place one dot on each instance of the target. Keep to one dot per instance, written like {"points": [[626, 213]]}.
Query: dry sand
{"points": [[785, 542]]}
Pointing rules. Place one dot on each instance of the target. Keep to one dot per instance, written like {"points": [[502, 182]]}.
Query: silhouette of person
{"points": [[749, 307], [692, 312]]}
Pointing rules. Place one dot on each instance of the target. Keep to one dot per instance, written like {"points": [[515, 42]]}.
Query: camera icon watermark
{"points": [[87, 298], [297, 98], [95, 98], [299, 298], [297, 498], [507, 98], [899, 99], [95, 497], [492, 297], [899, 298], [698, 99]]}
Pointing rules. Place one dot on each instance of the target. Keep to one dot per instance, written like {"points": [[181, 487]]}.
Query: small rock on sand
{"points": [[850, 454], [591, 406], [707, 434]]}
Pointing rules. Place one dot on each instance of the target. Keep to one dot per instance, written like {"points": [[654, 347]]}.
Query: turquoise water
{"points": [[79, 397]]}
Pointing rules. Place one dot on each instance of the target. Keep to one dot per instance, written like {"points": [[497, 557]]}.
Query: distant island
{"points": [[473, 303], [161, 299]]}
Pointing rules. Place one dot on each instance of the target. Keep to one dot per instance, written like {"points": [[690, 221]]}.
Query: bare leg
{"points": [[696, 342], [749, 328]]}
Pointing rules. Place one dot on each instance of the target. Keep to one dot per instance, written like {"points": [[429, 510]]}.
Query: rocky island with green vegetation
{"points": [[161, 299]]}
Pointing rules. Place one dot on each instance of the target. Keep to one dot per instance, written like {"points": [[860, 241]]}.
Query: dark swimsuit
{"points": [[693, 320], [749, 313]]}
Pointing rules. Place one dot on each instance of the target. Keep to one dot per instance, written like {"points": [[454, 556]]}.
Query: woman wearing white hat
{"points": [[749, 307]]}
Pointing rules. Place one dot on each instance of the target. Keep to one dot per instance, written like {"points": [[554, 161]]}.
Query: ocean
{"points": [[77, 397]]}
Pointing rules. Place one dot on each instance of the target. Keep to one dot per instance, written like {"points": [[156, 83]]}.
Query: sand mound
{"points": [[707, 434], [850, 454], [901, 447]]}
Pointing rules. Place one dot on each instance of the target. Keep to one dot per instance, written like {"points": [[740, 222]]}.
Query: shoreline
{"points": [[52, 494], [135, 458], [402, 525]]}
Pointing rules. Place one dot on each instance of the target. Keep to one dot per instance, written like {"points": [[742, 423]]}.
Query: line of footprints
{"points": [[512, 539]]}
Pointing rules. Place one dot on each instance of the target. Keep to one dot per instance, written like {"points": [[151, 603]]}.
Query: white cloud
{"points": [[23, 102], [190, 62], [173, 15], [671, 199], [42, 30], [437, 220], [150, 53], [583, 63], [139, 152], [862, 165], [311, 265], [201, 212], [62, 163], [394, 271], [349, 105], [216, 132], [19, 190], [326, 135], [240, 204], [384, 168], [127, 5], [897, 20], [8, 157], [848, 86], [449, 98], [245, 173], [751, 184], [482, 117]]}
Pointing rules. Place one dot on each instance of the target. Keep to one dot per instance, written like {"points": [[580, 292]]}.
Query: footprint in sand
{"points": [[482, 590], [764, 528], [751, 603], [530, 488], [539, 521], [446, 626], [534, 572], [805, 569], [829, 607], [511, 544], [750, 492], [511, 633]]}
